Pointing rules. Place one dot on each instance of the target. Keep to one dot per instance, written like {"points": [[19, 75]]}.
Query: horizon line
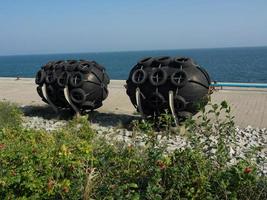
{"points": [[122, 51]]}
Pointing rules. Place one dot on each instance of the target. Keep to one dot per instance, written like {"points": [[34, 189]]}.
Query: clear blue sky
{"points": [[59, 26]]}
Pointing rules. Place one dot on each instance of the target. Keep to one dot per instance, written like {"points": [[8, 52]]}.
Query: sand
{"points": [[249, 105]]}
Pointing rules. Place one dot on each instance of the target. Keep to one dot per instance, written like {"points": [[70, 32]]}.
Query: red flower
{"points": [[161, 164], [50, 184], [247, 170], [2, 146], [65, 189]]}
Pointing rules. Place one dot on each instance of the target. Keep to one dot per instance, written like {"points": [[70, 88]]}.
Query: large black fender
{"points": [[84, 82], [156, 77]]}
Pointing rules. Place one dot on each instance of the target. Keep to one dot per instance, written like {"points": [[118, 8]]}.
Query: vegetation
{"points": [[74, 163], [10, 115]]}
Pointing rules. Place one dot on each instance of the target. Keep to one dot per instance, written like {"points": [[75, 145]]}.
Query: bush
{"points": [[10, 115], [74, 163], [38, 165]]}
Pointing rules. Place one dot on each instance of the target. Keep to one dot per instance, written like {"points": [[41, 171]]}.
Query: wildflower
{"points": [[2, 146], [65, 189], [161, 164], [247, 170], [50, 184]]}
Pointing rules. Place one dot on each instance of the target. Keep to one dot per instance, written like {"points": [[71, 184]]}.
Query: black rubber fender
{"points": [[157, 99], [205, 73], [63, 79], [71, 65], [179, 78], [146, 62], [78, 95], [59, 65], [84, 67], [163, 60], [76, 79], [179, 103], [40, 77], [158, 77], [50, 77], [86, 84], [48, 66], [139, 76], [184, 62], [180, 59], [50, 92]]}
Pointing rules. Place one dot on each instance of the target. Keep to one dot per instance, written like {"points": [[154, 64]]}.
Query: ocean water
{"points": [[224, 64]]}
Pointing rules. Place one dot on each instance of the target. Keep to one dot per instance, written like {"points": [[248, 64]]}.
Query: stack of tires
{"points": [[86, 81], [156, 77]]}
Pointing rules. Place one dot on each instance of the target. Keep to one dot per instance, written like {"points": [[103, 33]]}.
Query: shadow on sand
{"points": [[103, 119]]}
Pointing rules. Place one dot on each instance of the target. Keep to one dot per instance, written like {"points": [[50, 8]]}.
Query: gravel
{"points": [[40, 123], [247, 139]]}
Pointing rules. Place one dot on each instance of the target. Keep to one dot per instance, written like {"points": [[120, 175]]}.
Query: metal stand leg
{"points": [[67, 97], [171, 104], [44, 90], [138, 101]]}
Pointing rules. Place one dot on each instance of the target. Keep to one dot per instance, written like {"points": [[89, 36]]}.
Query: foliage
{"points": [[38, 165], [75, 163], [214, 121], [10, 115]]}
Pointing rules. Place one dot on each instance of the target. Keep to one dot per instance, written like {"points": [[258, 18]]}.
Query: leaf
{"points": [[215, 107], [224, 104], [133, 185]]}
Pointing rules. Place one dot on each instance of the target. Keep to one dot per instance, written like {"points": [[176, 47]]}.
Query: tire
{"points": [[180, 59], [49, 66], [40, 77], [59, 65], [179, 78], [146, 62], [158, 77], [63, 79], [183, 62], [78, 96], [71, 65], [50, 77], [163, 60], [139, 76], [76, 79], [84, 67]]}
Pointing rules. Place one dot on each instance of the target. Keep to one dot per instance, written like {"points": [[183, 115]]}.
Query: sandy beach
{"points": [[249, 105]]}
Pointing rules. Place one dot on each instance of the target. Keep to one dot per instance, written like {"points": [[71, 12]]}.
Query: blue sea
{"points": [[223, 64]]}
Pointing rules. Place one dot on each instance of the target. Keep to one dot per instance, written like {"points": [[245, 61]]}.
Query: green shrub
{"points": [[38, 165], [131, 172], [10, 115], [74, 163]]}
